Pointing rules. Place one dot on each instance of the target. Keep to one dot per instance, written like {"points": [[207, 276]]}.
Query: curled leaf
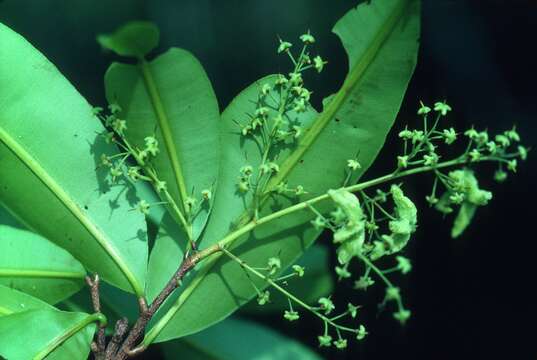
{"points": [[352, 234]]}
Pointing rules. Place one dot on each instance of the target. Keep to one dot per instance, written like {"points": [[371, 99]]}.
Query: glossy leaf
{"points": [[136, 39], [34, 265], [49, 150], [13, 301], [381, 40], [172, 99], [235, 339], [46, 333]]}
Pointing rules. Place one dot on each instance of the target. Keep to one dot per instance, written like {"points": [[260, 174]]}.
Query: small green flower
{"points": [[151, 145], [402, 162], [319, 63], [96, 110], [471, 133], [281, 80], [263, 297], [143, 207], [319, 223], [500, 176], [307, 38], [431, 199], [342, 272], [206, 194], [430, 159], [353, 310], [299, 190], [115, 172], [284, 46], [417, 136], [244, 186], [160, 186], [423, 110], [297, 131], [190, 202], [274, 264], [295, 78], [119, 126], [324, 340], [106, 160], [246, 170], [442, 108], [492, 147], [361, 333], [305, 94], [449, 136], [402, 316], [475, 155], [340, 344], [511, 165], [393, 293], [403, 264], [482, 138], [326, 305], [262, 111], [405, 134], [523, 152], [291, 315], [114, 108], [363, 283], [134, 172], [502, 140], [300, 105], [513, 134], [353, 164], [457, 198], [298, 270], [265, 89]]}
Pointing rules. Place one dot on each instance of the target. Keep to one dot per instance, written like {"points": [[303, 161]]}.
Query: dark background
{"points": [[473, 297]]}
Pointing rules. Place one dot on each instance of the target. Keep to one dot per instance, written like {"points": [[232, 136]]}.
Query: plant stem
{"points": [[285, 292], [138, 329]]}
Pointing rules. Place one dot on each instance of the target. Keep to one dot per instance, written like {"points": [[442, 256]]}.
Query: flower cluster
{"points": [[276, 121]]}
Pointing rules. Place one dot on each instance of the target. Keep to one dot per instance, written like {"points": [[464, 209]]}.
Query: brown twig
{"points": [[129, 348], [122, 325], [98, 347]]}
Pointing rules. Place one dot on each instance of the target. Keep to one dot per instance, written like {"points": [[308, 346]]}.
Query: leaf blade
{"points": [[75, 208], [32, 264]]}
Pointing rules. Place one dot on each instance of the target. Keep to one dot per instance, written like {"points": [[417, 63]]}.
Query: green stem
{"points": [[284, 291]]}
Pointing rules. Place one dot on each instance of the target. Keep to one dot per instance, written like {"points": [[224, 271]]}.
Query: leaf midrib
{"points": [[33, 165], [353, 79], [40, 274], [165, 129], [309, 138]]}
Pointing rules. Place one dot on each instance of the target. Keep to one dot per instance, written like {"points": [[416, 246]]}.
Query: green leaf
{"points": [[235, 339], [13, 301], [49, 150], [46, 333], [381, 40], [165, 257], [464, 218], [34, 265], [316, 282], [467, 184], [172, 99], [136, 39], [229, 282]]}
